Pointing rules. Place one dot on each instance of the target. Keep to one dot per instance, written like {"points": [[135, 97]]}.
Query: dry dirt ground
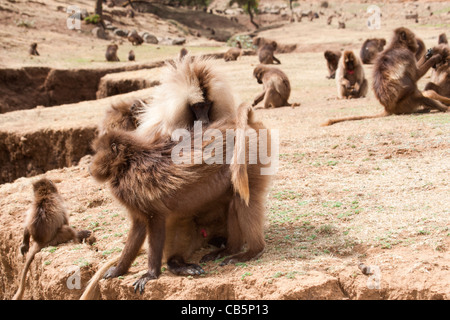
{"points": [[373, 191]]}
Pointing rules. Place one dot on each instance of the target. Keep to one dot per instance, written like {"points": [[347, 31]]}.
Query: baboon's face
{"points": [[349, 61], [258, 73], [108, 155]]}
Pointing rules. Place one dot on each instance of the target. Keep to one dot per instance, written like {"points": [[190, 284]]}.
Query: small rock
{"points": [[149, 38], [121, 33]]}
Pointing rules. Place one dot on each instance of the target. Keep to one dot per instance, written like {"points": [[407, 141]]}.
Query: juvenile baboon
{"points": [[276, 87], [47, 223], [332, 58], [33, 49], [131, 56], [442, 39], [191, 89], [439, 87], [370, 49], [233, 53], [135, 38], [350, 79], [396, 73], [177, 190], [266, 49], [421, 49], [111, 52]]}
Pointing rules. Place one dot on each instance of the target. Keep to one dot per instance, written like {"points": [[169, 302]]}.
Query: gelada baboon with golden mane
{"points": [[395, 77], [350, 78]]}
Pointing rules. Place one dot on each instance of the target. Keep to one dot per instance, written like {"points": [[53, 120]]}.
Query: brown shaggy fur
{"points": [[332, 58], [33, 49], [277, 87], [122, 116], [135, 38], [266, 49], [144, 179], [47, 222], [111, 52], [395, 77], [439, 87], [233, 53]]}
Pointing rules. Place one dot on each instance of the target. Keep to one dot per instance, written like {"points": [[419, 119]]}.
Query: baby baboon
{"points": [[191, 89], [266, 49], [131, 56], [134, 38], [439, 87], [277, 87], [370, 49], [233, 53], [350, 79], [177, 190], [47, 223], [395, 77], [111, 52], [332, 58], [442, 39], [33, 49], [421, 49]]}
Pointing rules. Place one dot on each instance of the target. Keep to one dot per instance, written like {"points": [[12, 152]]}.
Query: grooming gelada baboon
{"points": [[350, 79], [172, 189], [395, 77], [439, 86], [266, 49], [276, 87], [233, 53], [33, 49], [191, 89], [332, 58], [370, 49], [47, 223], [111, 52]]}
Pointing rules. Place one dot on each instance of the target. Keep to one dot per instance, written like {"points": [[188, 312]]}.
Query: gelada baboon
{"points": [[135, 38], [33, 49], [183, 53], [191, 89], [370, 49], [131, 56], [266, 49], [439, 87], [332, 58], [276, 88], [350, 79], [111, 52], [395, 75], [442, 39], [233, 53], [47, 223], [171, 189]]}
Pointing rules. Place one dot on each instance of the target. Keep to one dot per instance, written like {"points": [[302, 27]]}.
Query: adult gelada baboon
{"points": [[191, 89], [439, 86], [332, 58], [233, 53], [370, 49], [47, 223], [442, 39], [135, 38], [350, 79], [111, 52], [395, 77], [266, 49], [131, 56], [276, 88], [143, 177]]}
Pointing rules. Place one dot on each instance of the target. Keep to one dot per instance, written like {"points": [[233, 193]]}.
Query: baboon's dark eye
{"points": [[114, 148]]}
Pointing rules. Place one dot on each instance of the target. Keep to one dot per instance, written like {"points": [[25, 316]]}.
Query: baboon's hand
{"points": [[140, 283], [429, 54], [112, 272]]}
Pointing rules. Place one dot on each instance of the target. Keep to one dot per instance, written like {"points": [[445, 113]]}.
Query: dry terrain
{"points": [[373, 191]]}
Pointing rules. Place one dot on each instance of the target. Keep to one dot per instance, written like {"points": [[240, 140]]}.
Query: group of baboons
{"points": [[181, 207]]}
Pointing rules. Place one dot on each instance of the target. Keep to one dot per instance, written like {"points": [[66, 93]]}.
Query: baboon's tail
{"points": [[30, 257], [89, 292], [333, 121], [239, 175]]}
